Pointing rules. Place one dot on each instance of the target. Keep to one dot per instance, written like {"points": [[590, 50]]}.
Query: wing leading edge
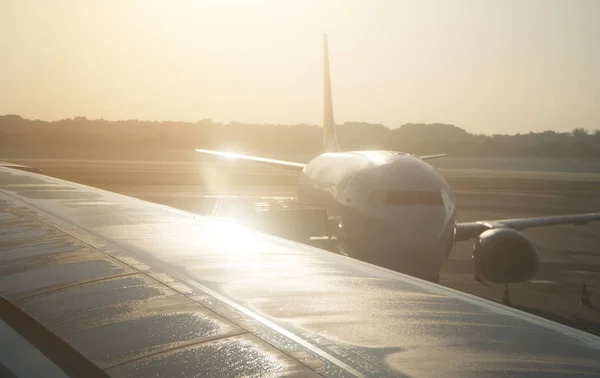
{"points": [[282, 163], [469, 230], [258, 159]]}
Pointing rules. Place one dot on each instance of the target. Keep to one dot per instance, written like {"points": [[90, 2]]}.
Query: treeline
{"points": [[80, 132]]}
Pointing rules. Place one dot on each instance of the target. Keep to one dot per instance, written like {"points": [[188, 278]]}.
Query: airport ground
{"points": [[570, 255]]}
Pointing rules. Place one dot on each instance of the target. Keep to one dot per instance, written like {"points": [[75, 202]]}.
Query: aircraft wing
{"points": [[470, 230], [19, 167], [267, 161], [100, 284]]}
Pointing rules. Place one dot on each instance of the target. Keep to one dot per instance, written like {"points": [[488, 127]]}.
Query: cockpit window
{"points": [[415, 198], [407, 198]]}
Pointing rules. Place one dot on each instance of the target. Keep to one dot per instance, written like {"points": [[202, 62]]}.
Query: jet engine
{"points": [[503, 255]]}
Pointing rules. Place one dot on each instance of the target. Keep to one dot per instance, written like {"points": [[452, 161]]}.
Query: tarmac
{"points": [[569, 255]]}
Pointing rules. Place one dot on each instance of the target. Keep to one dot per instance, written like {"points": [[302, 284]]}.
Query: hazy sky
{"points": [[485, 65]]}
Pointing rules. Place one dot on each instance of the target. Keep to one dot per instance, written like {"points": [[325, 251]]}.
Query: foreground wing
{"points": [[273, 162], [127, 288], [469, 230]]}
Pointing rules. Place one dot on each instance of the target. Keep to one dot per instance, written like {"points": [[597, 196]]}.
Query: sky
{"points": [[487, 66]]}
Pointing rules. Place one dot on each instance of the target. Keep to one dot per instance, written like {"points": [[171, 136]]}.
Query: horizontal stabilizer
{"points": [[267, 161], [428, 157]]}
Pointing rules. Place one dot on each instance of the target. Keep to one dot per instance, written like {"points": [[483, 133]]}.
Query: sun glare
{"points": [[230, 155]]}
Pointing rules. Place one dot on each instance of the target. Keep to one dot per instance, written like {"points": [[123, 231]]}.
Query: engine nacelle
{"points": [[503, 255]]}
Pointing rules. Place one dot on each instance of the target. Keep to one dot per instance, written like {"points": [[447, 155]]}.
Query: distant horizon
{"points": [[590, 131], [491, 67], [25, 136]]}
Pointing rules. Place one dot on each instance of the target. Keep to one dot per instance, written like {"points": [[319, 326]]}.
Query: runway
{"points": [[570, 255]]}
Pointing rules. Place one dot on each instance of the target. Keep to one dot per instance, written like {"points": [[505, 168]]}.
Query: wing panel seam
{"points": [[80, 283], [179, 347]]}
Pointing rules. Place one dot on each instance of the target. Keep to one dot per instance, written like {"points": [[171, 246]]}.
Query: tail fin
{"points": [[330, 143]]}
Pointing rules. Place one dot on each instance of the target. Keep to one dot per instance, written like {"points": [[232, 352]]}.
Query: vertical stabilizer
{"points": [[330, 143]]}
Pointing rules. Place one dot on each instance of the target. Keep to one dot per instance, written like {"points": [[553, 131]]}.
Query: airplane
{"points": [[395, 210], [98, 284]]}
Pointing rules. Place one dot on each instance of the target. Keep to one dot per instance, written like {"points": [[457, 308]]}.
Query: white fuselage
{"points": [[395, 210]]}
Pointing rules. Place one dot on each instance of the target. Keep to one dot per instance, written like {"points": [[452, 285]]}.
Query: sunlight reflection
{"points": [[378, 157], [230, 155], [234, 253], [238, 246]]}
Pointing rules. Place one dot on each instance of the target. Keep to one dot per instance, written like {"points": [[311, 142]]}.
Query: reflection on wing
{"points": [[273, 162], [469, 230], [142, 290]]}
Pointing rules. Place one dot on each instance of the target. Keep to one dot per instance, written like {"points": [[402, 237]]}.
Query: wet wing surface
{"points": [[141, 290], [121, 320]]}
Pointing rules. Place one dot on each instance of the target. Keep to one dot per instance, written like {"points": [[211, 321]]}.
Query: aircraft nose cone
{"points": [[420, 225], [410, 240]]}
